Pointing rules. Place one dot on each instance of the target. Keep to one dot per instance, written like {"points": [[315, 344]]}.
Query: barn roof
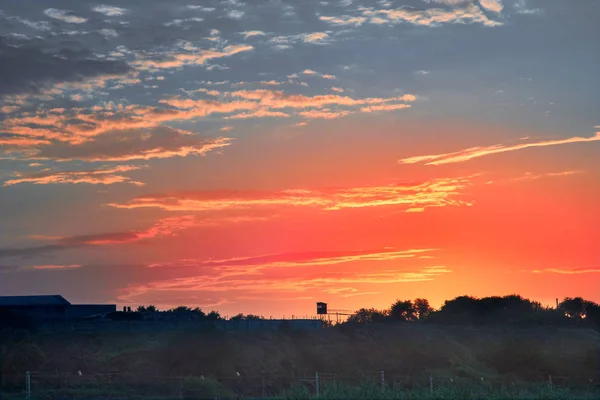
{"points": [[16, 301]]}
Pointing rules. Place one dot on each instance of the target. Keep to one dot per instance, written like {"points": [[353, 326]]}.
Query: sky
{"points": [[261, 156]]}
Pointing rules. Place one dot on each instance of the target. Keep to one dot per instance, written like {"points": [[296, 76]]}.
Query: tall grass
{"points": [[272, 362], [373, 391]]}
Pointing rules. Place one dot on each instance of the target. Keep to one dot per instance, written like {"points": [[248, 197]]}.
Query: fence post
{"points": [[317, 384], [382, 380], [431, 384], [264, 388], [550, 381], [27, 386], [180, 388]]}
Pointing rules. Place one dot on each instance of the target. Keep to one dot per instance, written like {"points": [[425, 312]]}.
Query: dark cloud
{"points": [[134, 144], [31, 67], [31, 251], [164, 227]]}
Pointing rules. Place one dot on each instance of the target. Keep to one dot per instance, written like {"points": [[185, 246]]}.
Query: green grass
{"points": [[198, 388], [282, 359], [475, 392]]}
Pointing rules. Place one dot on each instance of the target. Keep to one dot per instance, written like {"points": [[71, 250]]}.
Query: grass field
{"points": [[465, 363]]}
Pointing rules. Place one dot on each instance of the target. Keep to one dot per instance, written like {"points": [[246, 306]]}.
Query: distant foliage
{"points": [[422, 308], [368, 316], [249, 317], [403, 311], [196, 312], [494, 310], [463, 310]]}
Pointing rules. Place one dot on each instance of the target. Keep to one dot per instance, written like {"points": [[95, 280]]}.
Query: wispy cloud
{"points": [[492, 5], [16, 142], [430, 17], [299, 259], [325, 114], [182, 22], [284, 42], [385, 107], [290, 272], [201, 8], [344, 20], [235, 14], [261, 113], [100, 176], [133, 144], [279, 99], [249, 34], [434, 193], [139, 127], [65, 16], [462, 12], [53, 267], [530, 176], [194, 56], [314, 73], [590, 269], [110, 11], [521, 7], [164, 227], [475, 152]]}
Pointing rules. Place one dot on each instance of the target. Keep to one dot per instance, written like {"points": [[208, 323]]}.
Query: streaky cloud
{"points": [[476, 152], [434, 193], [110, 11], [591, 269], [100, 176], [65, 16]]}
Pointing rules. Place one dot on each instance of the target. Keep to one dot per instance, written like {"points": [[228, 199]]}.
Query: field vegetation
{"points": [[424, 354]]}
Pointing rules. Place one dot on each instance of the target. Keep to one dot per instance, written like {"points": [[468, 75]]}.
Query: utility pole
{"points": [[27, 386]]}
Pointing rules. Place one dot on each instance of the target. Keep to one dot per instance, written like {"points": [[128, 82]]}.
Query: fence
{"points": [[176, 325], [34, 386]]}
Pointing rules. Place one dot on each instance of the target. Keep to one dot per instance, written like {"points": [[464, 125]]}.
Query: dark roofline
{"points": [[36, 300]]}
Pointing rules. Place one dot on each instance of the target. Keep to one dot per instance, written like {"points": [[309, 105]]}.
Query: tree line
{"points": [[462, 310], [468, 310], [198, 313]]}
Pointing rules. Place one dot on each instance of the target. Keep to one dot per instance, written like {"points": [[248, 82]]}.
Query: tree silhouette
{"points": [[141, 309], [403, 311], [238, 317], [242, 317], [575, 308], [592, 314], [511, 309], [422, 308], [151, 308], [198, 311], [213, 316], [367, 316], [181, 309]]}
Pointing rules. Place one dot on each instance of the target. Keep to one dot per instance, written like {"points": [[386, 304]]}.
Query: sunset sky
{"points": [[258, 156]]}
